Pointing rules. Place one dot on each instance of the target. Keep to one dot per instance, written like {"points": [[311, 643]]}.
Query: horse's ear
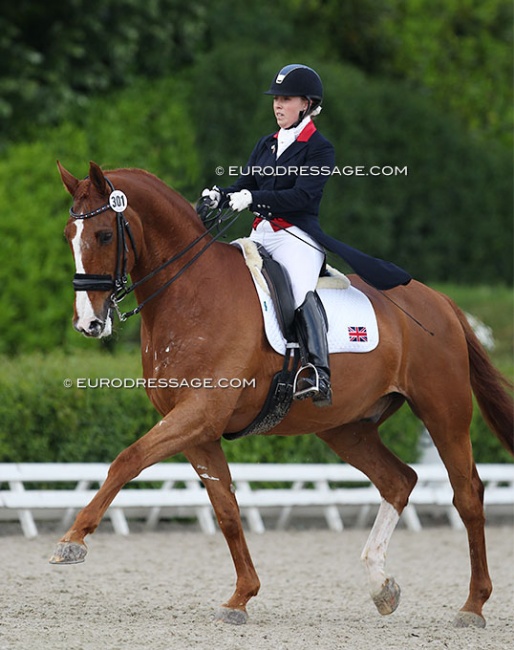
{"points": [[97, 177], [70, 182]]}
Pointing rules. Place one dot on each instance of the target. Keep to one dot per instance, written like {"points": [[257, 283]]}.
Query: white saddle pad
{"points": [[351, 317]]}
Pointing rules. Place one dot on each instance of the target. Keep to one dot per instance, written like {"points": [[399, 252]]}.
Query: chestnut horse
{"points": [[208, 324]]}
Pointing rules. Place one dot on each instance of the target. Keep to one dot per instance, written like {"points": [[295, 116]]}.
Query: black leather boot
{"points": [[313, 380]]}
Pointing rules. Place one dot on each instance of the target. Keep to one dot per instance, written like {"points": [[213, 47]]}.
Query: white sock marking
{"points": [[374, 554]]}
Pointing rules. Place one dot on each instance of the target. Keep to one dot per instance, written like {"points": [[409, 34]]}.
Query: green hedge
{"points": [[41, 420]]}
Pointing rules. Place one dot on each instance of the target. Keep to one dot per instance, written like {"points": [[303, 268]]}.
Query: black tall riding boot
{"points": [[314, 379]]}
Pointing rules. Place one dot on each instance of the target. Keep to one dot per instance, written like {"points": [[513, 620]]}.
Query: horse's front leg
{"points": [[186, 425], [211, 465]]}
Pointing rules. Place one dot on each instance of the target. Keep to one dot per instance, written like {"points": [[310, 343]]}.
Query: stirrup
{"points": [[311, 391]]}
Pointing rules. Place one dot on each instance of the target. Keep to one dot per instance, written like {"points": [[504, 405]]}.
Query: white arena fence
{"points": [[43, 491]]}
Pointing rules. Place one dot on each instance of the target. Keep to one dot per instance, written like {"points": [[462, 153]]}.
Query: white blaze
{"points": [[83, 306]]}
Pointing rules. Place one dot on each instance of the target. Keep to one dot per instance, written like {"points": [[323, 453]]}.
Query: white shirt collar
{"points": [[286, 137]]}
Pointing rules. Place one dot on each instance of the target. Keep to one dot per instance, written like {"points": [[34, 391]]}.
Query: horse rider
{"points": [[282, 184]]}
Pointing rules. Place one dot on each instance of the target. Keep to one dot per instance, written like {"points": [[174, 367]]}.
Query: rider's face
{"points": [[287, 109]]}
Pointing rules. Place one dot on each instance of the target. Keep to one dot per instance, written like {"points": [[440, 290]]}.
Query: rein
{"points": [[118, 282]]}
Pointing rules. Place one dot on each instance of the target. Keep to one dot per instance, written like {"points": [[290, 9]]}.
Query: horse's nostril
{"points": [[95, 326]]}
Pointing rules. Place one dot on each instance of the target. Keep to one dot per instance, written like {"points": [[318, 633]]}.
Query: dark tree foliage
{"points": [[56, 55]]}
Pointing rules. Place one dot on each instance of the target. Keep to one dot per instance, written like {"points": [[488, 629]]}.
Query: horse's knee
{"points": [[230, 523], [128, 463]]}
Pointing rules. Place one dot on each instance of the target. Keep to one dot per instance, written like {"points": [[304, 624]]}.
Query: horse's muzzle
{"points": [[95, 328]]}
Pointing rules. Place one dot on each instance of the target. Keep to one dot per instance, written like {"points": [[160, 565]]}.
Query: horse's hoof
{"points": [[232, 616], [69, 553], [388, 598], [468, 619]]}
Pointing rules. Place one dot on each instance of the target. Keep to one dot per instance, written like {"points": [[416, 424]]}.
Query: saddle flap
{"points": [[279, 285]]}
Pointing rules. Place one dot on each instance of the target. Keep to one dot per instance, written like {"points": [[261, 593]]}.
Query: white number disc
{"points": [[118, 201]]}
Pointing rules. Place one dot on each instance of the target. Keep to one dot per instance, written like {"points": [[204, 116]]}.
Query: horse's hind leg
{"points": [[359, 444], [211, 465], [449, 429]]}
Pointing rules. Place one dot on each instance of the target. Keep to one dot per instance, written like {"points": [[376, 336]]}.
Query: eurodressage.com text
{"points": [[312, 170], [158, 382]]}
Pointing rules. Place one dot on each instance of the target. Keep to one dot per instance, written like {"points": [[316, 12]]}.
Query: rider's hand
{"points": [[213, 195], [240, 201]]}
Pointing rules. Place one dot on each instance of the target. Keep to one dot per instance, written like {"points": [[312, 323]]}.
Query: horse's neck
{"points": [[191, 313], [164, 238], [168, 225]]}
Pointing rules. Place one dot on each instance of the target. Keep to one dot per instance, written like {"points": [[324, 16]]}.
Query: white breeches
{"points": [[297, 251]]}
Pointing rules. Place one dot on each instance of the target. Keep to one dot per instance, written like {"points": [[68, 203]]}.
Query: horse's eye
{"points": [[104, 237]]}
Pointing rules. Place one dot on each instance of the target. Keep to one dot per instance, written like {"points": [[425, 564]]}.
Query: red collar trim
{"points": [[305, 133]]}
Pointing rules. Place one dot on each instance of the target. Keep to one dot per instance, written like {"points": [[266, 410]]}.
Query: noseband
{"points": [[118, 283]]}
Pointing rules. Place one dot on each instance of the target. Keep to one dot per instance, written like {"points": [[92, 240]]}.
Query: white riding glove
{"points": [[214, 196], [239, 201]]}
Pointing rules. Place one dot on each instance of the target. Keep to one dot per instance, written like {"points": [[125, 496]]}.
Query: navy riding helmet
{"points": [[297, 80]]}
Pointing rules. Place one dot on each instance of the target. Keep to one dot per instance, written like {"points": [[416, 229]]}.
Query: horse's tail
{"points": [[491, 388]]}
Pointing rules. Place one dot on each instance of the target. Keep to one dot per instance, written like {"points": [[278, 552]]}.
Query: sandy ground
{"points": [[157, 591]]}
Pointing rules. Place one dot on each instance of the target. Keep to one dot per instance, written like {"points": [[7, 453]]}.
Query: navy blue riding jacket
{"points": [[290, 189]]}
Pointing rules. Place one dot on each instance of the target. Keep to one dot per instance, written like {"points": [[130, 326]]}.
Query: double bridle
{"points": [[118, 283]]}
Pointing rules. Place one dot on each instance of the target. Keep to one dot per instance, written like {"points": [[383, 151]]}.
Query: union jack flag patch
{"points": [[358, 334]]}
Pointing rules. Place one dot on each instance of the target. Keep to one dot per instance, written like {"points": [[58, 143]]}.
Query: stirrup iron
{"points": [[311, 391]]}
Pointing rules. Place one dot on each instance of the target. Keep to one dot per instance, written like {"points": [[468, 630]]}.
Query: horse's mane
{"points": [[156, 184], [155, 180]]}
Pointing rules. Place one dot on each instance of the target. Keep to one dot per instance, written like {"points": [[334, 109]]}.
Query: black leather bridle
{"points": [[118, 283]]}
